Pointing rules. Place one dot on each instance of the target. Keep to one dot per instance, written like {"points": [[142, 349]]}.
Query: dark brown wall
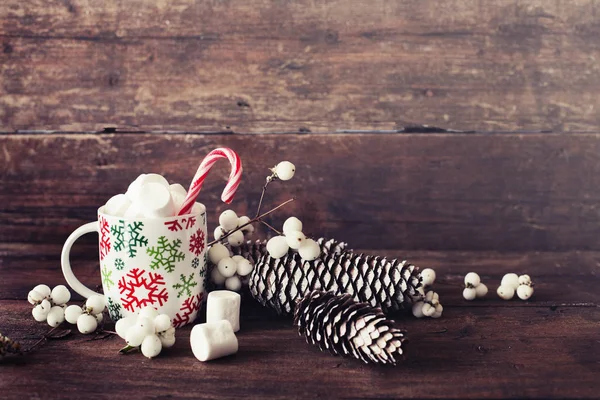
{"points": [[272, 65], [261, 67]]}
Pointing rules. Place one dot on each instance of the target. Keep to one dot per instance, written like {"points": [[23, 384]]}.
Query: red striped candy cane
{"points": [[232, 184]]}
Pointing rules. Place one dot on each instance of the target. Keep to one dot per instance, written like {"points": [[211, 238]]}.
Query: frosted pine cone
{"points": [[390, 285], [253, 251], [338, 324]]}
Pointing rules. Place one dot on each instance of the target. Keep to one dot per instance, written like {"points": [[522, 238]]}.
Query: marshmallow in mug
{"points": [[149, 196], [224, 304], [213, 340]]}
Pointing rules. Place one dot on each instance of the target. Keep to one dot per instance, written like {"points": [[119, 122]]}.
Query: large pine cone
{"points": [[279, 283], [343, 327]]}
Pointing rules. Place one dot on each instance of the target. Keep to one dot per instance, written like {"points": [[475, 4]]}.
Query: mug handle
{"points": [[66, 265]]}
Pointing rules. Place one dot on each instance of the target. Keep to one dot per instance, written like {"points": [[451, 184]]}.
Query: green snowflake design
{"points": [[107, 277], [119, 264], [202, 271], [165, 254], [185, 286], [128, 237], [114, 310], [195, 262]]}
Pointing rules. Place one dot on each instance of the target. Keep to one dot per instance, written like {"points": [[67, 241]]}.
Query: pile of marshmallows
{"points": [[148, 196]]}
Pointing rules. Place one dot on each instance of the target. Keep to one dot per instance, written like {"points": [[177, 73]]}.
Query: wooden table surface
{"points": [[547, 347]]}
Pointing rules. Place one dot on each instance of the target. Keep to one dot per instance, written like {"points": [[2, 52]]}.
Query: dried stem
{"points": [[270, 227], [256, 219], [262, 195], [44, 337]]}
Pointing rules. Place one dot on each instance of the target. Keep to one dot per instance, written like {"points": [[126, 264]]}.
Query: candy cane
{"points": [[205, 166]]}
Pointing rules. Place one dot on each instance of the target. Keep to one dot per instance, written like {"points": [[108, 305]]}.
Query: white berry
{"points": [[524, 280], [244, 267], [236, 239], [60, 295], [285, 170], [511, 280], [428, 310], [95, 304], [481, 290], [135, 335], [99, 317], [277, 246], [233, 283], [151, 346], [227, 267], [219, 232], [123, 325], [217, 252], [56, 316], [428, 276], [292, 224], [44, 290], [216, 277], [146, 325], [243, 220], [524, 292], [439, 309], [505, 292], [162, 322], [34, 297], [469, 293], [472, 279], [417, 309], [228, 220], [167, 340], [309, 250], [72, 313], [295, 239], [40, 312], [148, 312], [86, 323]]}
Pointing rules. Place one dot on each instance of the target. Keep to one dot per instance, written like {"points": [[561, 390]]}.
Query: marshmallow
{"points": [[224, 305], [198, 208], [213, 340], [133, 212], [117, 205], [178, 194], [135, 186], [155, 200]]}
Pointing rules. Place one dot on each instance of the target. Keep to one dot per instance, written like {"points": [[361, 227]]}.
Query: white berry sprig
{"points": [[87, 317], [149, 331], [49, 305], [474, 288], [512, 283], [429, 306], [293, 238]]}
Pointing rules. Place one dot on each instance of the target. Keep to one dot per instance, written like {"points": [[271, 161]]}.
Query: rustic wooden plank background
{"points": [[510, 183], [273, 65]]}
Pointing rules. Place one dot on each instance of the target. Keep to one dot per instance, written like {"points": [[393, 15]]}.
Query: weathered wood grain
{"points": [[478, 352], [268, 65], [411, 191], [561, 278]]}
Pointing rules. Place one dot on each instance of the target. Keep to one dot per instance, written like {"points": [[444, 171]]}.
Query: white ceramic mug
{"points": [[159, 262]]}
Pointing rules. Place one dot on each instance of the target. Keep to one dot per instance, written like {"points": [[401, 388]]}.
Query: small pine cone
{"points": [[390, 285], [8, 346], [340, 325]]}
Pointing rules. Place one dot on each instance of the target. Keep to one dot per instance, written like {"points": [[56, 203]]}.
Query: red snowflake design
{"points": [[138, 291], [197, 242], [104, 238], [187, 312], [175, 225]]}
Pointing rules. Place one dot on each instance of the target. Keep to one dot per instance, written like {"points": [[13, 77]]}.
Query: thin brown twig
{"points": [[270, 227], [262, 195], [42, 339], [250, 222]]}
